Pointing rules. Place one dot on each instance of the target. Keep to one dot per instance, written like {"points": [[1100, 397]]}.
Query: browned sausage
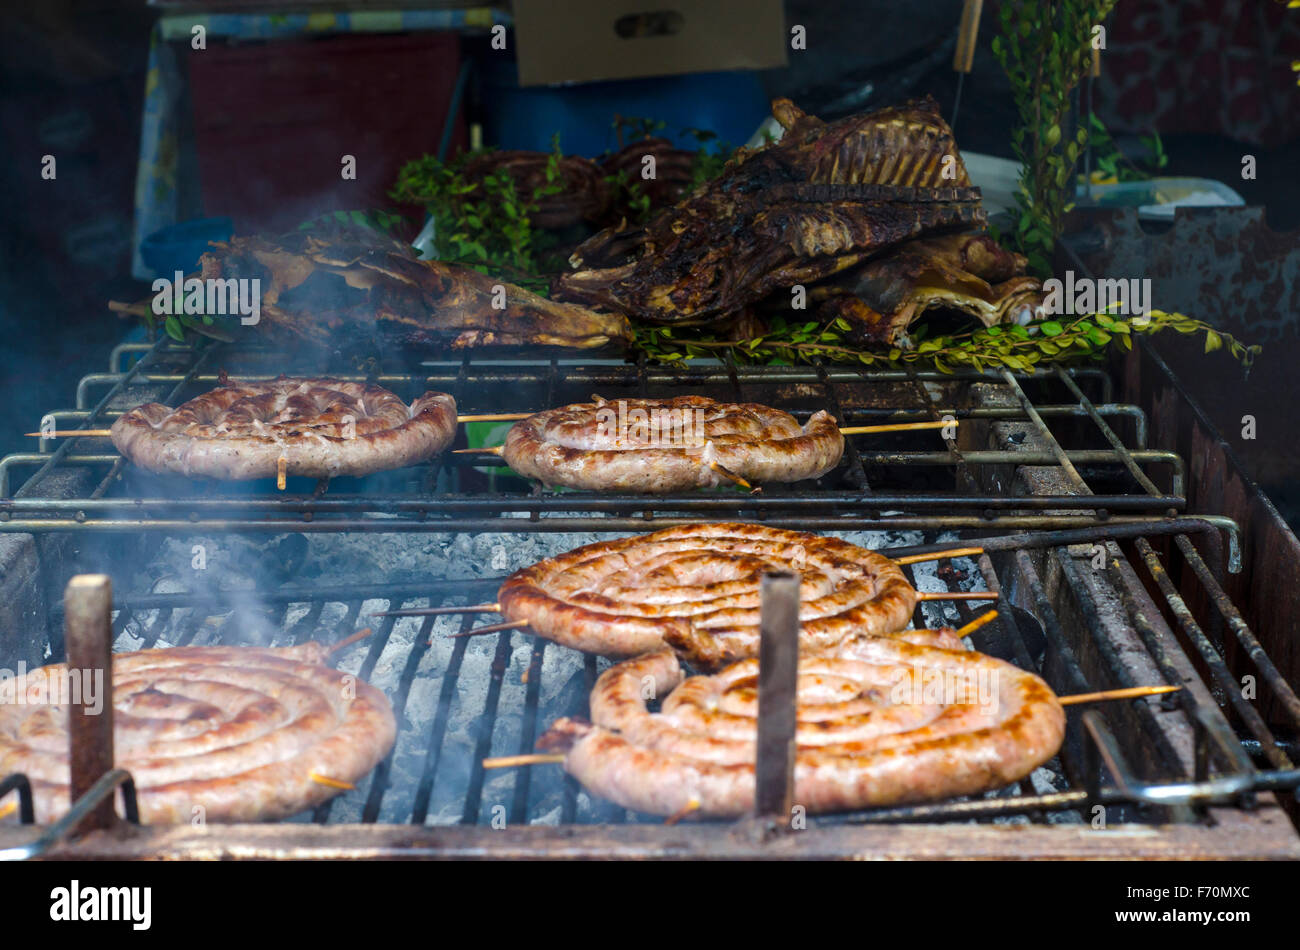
{"points": [[879, 722], [321, 427], [666, 445], [231, 733], [697, 588]]}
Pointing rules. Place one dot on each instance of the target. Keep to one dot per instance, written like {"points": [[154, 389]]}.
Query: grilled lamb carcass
{"points": [[822, 200], [966, 272], [374, 288]]}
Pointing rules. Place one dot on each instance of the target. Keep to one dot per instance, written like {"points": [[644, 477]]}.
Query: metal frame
{"points": [[1224, 772]]}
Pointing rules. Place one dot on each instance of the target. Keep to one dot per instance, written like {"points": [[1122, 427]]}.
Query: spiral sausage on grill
{"points": [[696, 588], [879, 722], [229, 733]]}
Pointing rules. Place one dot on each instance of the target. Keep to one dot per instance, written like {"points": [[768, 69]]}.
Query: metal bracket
{"points": [[778, 669]]}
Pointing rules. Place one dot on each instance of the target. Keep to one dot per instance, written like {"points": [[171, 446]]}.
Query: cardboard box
{"points": [[586, 40]]}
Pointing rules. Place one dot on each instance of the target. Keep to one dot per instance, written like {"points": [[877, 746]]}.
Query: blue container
{"points": [[177, 247], [731, 104]]}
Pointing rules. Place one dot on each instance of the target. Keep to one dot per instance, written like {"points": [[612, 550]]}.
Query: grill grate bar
{"points": [[438, 730], [1254, 649], [528, 730], [1109, 434], [486, 723], [419, 646], [1063, 458], [1119, 671], [856, 471], [1230, 687], [925, 400]]}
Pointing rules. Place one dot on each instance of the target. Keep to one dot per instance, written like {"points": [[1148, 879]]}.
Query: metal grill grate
{"points": [[1146, 762], [880, 473]]}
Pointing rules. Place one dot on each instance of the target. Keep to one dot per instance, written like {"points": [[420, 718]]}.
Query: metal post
{"points": [[778, 666], [87, 631]]}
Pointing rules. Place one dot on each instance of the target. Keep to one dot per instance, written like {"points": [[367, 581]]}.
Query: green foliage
{"points": [[376, 219], [1112, 163], [634, 128], [482, 223], [1045, 48], [1010, 346], [711, 156]]}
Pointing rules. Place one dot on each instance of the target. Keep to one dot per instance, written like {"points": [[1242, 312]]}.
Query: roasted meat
{"points": [[822, 200], [966, 272], [696, 588], [584, 194], [878, 722], [667, 445], [672, 172], [328, 291], [320, 428]]}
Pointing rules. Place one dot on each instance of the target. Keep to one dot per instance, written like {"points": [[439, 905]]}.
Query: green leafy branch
{"points": [[482, 222], [1013, 346], [1113, 163], [1045, 48]]}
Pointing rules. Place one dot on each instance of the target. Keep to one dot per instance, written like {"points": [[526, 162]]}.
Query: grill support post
{"points": [[87, 606], [778, 667]]}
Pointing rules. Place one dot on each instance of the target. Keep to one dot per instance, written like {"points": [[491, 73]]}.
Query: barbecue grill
{"points": [[1126, 548]]}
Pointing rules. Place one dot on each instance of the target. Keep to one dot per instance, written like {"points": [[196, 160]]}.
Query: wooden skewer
{"points": [[692, 805], [978, 622], [548, 758], [348, 641], [487, 450], [958, 595], [496, 417], [281, 466], [729, 475], [105, 433], [510, 761], [490, 628], [1131, 692], [330, 782], [938, 555], [895, 427], [73, 434], [438, 611]]}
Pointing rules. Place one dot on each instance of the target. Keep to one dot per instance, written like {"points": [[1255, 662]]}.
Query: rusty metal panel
{"points": [[1267, 590], [1223, 264]]}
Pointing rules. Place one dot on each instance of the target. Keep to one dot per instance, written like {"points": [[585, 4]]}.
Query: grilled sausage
{"points": [[697, 588], [321, 427], [879, 722], [235, 732], [666, 445]]}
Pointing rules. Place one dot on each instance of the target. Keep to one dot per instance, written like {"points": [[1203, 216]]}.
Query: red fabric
{"points": [[1211, 66], [273, 121]]}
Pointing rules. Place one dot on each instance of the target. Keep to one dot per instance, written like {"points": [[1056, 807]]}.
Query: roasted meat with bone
{"points": [[329, 289], [966, 272], [822, 200]]}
